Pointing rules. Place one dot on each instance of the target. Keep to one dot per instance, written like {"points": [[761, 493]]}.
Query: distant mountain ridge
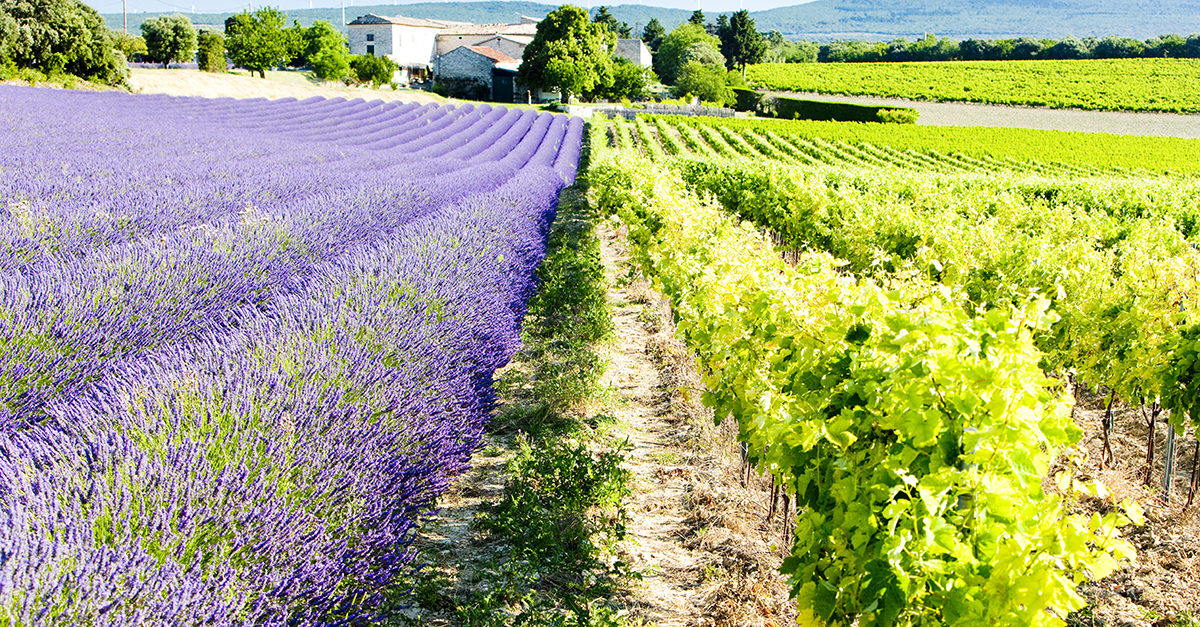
{"points": [[826, 20]]}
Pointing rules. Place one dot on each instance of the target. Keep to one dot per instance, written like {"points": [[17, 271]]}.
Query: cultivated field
{"points": [[1099, 84], [248, 343], [898, 333]]}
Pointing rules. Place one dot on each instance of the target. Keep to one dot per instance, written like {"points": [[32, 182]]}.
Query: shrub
{"points": [[375, 70], [897, 116], [706, 81], [32, 31]]}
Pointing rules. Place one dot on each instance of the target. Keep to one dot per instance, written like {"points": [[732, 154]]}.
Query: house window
{"points": [[371, 50], [371, 37]]}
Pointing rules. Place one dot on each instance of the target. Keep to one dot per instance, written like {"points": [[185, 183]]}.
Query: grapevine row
{"points": [[913, 434]]}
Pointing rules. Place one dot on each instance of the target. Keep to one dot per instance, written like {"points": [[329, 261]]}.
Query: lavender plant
{"points": [[245, 344]]}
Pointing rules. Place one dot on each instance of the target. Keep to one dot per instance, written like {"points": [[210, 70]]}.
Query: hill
{"points": [[988, 19], [826, 20], [495, 12]]}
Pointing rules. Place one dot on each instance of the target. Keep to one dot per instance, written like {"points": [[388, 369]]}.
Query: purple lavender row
{"points": [[405, 329], [62, 351], [276, 474]]}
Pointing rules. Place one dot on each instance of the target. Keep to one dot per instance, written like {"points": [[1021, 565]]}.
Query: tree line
{"points": [[932, 48], [574, 57], [66, 37]]}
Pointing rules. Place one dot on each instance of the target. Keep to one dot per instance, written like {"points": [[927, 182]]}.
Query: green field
{"points": [[1094, 150], [1099, 84]]}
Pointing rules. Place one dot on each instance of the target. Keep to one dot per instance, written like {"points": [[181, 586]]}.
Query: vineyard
{"points": [[1168, 85], [253, 351], [901, 349], [247, 343]]}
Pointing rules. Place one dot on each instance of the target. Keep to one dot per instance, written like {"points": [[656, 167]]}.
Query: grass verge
{"points": [[544, 549]]}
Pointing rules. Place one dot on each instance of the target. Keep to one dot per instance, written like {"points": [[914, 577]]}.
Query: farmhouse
{"points": [[416, 44]]}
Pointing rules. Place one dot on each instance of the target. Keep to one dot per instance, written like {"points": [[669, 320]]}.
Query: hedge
{"points": [[798, 109]]}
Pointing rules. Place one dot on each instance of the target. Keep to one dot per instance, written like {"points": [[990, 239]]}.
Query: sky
{"points": [[222, 6]]}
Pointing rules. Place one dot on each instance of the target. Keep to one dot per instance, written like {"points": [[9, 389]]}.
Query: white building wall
{"points": [[408, 46], [414, 45], [382, 34]]}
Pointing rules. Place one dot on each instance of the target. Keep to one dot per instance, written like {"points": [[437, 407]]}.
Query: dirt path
{"points": [[972, 114], [657, 505], [697, 535]]}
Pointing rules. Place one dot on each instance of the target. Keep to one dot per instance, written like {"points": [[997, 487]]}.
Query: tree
{"points": [[704, 52], [169, 38], [132, 46], [257, 41], [721, 29], [63, 34], [294, 35], [697, 18], [629, 82], [672, 55], [741, 43], [1191, 50], [930, 48], [325, 51], [619, 30], [1167, 46], [210, 51], [976, 50], [708, 82], [1026, 48], [653, 34], [567, 54], [1117, 48], [1069, 48], [373, 69]]}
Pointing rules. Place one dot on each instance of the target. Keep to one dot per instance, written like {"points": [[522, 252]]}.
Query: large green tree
{"points": [[169, 38], [741, 43], [325, 51], [258, 41], [653, 34], [64, 35], [568, 54], [673, 53]]}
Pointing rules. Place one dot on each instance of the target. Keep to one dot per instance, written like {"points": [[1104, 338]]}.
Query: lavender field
{"points": [[244, 344]]}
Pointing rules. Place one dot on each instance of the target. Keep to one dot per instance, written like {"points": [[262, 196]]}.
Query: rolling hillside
{"points": [[826, 20]]}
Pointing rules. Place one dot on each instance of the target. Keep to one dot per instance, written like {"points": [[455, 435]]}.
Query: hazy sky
{"points": [[220, 6]]}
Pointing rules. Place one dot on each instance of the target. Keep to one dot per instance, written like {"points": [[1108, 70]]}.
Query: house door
{"points": [[502, 86]]}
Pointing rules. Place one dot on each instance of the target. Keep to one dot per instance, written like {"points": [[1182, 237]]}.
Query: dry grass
{"points": [[178, 82]]}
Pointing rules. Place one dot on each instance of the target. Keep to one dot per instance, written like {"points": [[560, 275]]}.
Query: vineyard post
{"points": [[1195, 472], [1107, 458], [1151, 423], [1169, 463]]}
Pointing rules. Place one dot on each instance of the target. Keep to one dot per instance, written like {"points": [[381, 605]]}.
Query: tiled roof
{"points": [[400, 20], [493, 54], [491, 29]]}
